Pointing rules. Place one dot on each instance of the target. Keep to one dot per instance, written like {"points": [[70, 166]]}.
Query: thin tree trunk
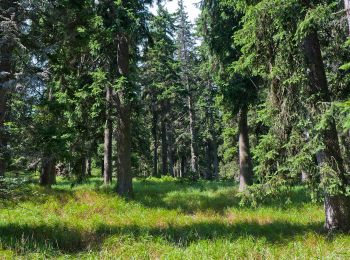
{"points": [[215, 159], [48, 171], [88, 166], [185, 58], [108, 133], [337, 207], [182, 167], [155, 138], [6, 69], [124, 174], [305, 175], [347, 10], [3, 138], [83, 168], [164, 147], [245, 161], [208, 172], [171, 153], [194, 163]]}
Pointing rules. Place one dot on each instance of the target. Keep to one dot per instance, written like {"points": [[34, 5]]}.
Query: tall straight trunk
{"points": [[182, 166], [171, 152], [155, 138], [215, 158], [208, 172], [83, 168], [6, 69], [108, 133], [88, 166], [123, 133], [191, 114], [3, 139], [337, 206], [347, 10], [305, 176], [245, 161], [48, 171], [164, 147], [185, 60]]}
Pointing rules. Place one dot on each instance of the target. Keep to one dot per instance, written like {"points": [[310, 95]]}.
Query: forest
{"points": [[129, 131]]}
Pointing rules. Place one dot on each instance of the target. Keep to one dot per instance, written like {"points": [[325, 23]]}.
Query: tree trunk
{"points": [[304, 177], [83, 168], [171, 153], [124, 174], [48, 171], [107, 154], [185, 67], [3, 139], [6, 70], [208, 172], [194, 163], [347, 10], [337, 206], [155, 138], [215, 159], [164, 147], [337, 211], [88, 166], [182, 166], [245, 161]]}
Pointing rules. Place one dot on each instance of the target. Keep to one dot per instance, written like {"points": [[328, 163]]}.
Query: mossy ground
{"points": [[167, 219]]}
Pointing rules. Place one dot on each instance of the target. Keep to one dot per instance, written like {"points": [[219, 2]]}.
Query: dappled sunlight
{"points": [[170, 218]]}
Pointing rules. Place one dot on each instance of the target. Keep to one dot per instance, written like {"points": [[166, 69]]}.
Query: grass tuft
{"points": [[168, 219]]}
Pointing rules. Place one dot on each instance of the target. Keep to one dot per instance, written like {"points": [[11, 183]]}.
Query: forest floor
{"points": [[167, 219]]}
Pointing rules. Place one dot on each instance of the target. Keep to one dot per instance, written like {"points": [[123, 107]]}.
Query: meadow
{"points": [[167, 219]]}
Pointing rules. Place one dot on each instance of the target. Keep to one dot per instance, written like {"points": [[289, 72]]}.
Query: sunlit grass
{"points": [[167, 219]]}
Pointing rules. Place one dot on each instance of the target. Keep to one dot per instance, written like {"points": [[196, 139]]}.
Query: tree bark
{"points": [[48, 171], [304, 177], [337, 206], [164, 147], [108, 133], [208, 172], [182, 166], [185, 59], [6, 70], [245, 161], [88, 166], [124, 174], [215, 158], [155, 138], [347, 10], [191, 114], [83, 168], [171, 153], [3, 138]]}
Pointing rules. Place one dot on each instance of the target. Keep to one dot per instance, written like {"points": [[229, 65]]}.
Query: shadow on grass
{"points": [[186, 196], [63, 239], [206, 196]]}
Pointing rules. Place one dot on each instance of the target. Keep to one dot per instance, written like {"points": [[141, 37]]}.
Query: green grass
{"points": [[167, 219]]}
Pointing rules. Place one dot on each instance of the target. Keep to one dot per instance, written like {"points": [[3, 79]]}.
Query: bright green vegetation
{"points": [[167, 219]]}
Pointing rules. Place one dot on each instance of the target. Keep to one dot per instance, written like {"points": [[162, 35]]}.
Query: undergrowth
{"points": [[168, 219]]}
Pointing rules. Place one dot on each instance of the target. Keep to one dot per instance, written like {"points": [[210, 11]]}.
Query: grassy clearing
{"points": [[167, 219]]}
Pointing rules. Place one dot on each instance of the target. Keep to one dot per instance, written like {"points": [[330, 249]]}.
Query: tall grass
{"points": [[168, 219]]}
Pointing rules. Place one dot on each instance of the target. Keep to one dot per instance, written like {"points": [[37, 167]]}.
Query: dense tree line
{"points": [[256, 91]]}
